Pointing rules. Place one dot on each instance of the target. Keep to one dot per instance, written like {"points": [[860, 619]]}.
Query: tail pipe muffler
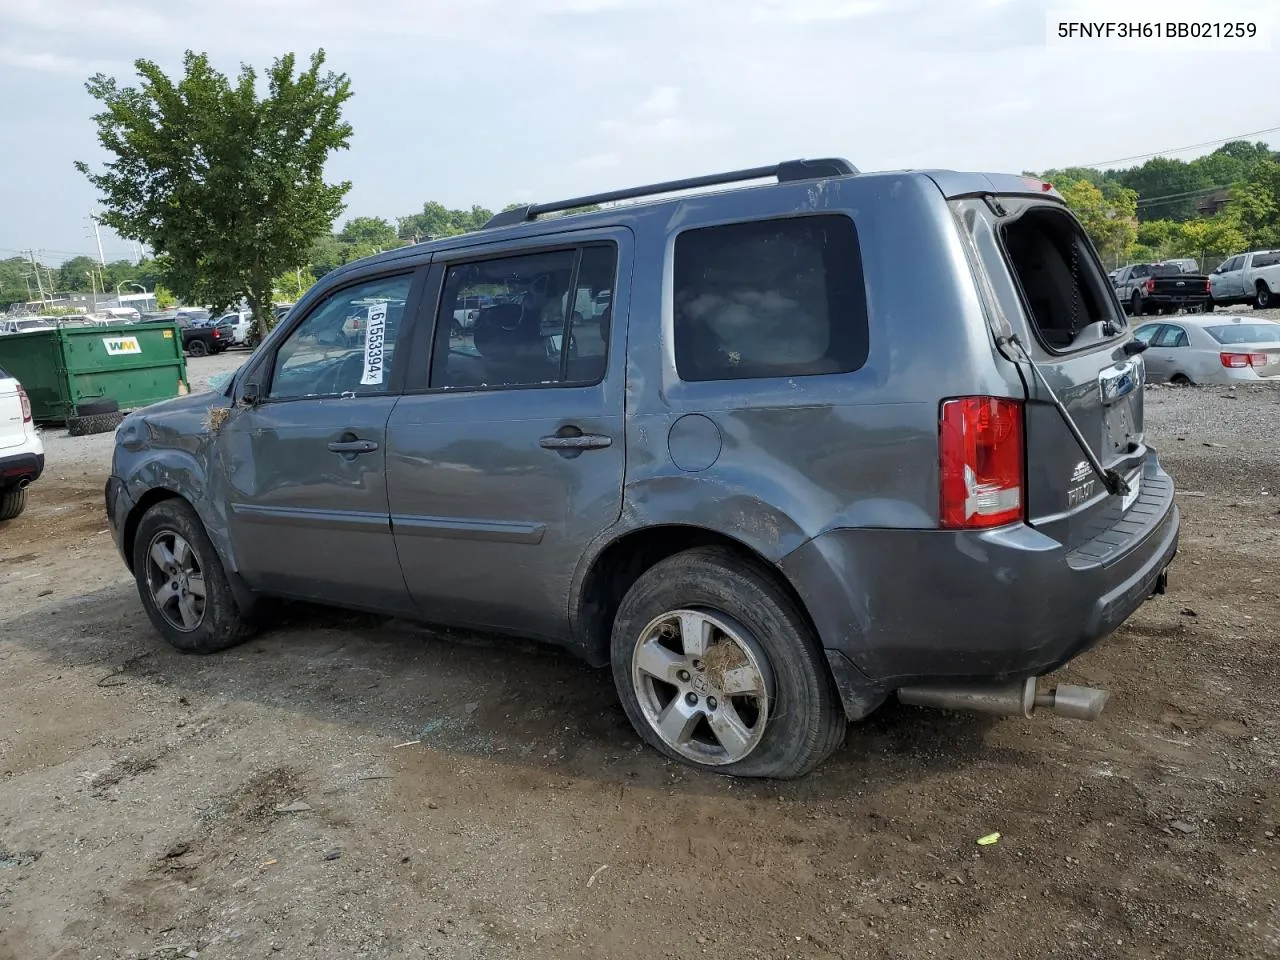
{"points": [[1018, 698]]}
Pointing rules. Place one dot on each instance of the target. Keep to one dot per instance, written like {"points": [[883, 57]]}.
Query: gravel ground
{"points": [[469, 797]]}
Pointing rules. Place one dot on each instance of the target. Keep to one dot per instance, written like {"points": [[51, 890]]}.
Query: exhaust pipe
{"points": [[1018, 698]]}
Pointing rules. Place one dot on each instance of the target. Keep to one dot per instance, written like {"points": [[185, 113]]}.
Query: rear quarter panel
{"points": [[802, 455]]}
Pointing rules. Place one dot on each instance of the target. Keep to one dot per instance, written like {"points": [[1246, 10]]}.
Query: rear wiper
{"points": [[1111, 481]]}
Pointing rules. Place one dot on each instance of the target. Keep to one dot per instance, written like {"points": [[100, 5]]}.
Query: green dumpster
{"points": [[132, 364]]}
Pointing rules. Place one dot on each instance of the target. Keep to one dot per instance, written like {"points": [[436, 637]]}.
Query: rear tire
{"points": [[1135, 305], [89, 408], [12, 502], [757, 701], [1181, 380], [98, 423], [182, 584], [1263, 299], [197, 348]]}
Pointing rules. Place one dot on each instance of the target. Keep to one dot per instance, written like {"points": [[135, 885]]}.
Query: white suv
{"points": [[21, 451]]}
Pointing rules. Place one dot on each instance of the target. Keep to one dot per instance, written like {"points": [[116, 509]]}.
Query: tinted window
{"points": [[1266, 259], [1140, 272], [1246, 333], [345, 345], [524, 331], [774, 298], [1232, 264]]}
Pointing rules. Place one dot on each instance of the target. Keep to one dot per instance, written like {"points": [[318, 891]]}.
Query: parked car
{"points": [[21, 449], [27, 324], [1145, 288], [241, 325], [1212, 349], [200, 337], [837, 437], [1248, 278]]}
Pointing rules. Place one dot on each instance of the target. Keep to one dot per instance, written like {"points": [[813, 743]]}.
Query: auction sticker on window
{"points": [[118, 345], [375, 345]]}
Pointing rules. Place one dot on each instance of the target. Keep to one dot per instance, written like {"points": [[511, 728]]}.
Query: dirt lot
{"points": [[475, 798]]}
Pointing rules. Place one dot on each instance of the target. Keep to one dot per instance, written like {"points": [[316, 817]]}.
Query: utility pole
{"points": [[98, 236], [39, 282]]}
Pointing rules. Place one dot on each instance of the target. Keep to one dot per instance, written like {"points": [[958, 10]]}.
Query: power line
{"points": [[1203, 191], [1191, 146]]}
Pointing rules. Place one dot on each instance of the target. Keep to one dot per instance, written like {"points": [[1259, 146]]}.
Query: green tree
{"points": [[1169, 188], [227, 187], [1110, 223], [436, 221], [1255, 206], [73, 275]]}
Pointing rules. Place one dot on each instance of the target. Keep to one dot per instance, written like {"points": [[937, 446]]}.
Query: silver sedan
{"points": [[1211, 348]]}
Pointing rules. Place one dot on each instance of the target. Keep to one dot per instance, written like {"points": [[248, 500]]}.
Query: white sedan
{"points": [[1211, 348]]}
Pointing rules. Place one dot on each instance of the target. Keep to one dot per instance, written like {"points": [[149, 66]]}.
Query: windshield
{"points": [[1246, 333]]}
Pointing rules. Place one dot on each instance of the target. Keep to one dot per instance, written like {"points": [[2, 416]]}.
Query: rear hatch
{"points": [[13, 430], [1045, 288]]}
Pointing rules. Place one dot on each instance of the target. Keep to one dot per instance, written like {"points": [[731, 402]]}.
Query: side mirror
{"points": [[249, 394]]}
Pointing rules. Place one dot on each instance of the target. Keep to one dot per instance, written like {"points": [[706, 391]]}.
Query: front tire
{"points": [[12, 502], [716, 667], [182, 584]]}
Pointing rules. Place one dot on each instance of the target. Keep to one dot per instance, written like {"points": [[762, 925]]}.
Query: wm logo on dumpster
{"points": [[118, 345]]}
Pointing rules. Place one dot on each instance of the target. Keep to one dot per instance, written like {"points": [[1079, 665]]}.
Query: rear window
{"points": [[771, 298], [1166, 270], [1246, 333], [1063, 289]]}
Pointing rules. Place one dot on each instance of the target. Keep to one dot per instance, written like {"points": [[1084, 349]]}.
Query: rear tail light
{"points": [[1238, 361], [1206, 286], [981, 477], [1150, 285], [26, 404], [216, 333]]}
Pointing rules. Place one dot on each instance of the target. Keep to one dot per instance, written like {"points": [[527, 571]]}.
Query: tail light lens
{"points": [[1149, 285], [981, 478], [1238, 361], [26, 404], [1206, 286], [217, 334]]}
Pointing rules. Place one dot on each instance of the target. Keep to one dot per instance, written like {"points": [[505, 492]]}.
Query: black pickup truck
{"points": [[1145, 288], [197, 340]]}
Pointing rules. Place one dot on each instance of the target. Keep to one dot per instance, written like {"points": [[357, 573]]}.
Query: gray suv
{"points": [[836, 437]]}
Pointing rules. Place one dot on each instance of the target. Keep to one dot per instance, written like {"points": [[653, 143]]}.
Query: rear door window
{"points": [[1064, 290], [770, 298]]}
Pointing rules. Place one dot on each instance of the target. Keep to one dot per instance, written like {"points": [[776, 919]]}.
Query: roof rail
{"points": [[788, 171]]}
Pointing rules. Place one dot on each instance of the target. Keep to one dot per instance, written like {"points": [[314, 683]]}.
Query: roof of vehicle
{"points": [[1209, 320], [658, 197]]}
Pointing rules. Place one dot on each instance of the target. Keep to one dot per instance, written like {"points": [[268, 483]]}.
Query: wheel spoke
{"points": [[695, 634], [195, 583], [163, 594], [657, 661], [677, 720], [729, 729], [187, 607], [181, 552], [161, 556], [741, 681]]}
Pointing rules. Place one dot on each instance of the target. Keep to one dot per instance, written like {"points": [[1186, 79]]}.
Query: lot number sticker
{"points": [[374, 343], [118, 345]]}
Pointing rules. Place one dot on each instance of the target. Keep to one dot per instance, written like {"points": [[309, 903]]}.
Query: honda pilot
{"points": [[836, 437]]}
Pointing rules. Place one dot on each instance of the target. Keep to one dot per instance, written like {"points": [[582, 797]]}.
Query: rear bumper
{"points": [[20, 468], [1176, 299], [899, 607]]}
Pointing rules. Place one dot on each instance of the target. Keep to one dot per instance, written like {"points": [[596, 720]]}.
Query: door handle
{"points": [[353, 446], [583, 441]]}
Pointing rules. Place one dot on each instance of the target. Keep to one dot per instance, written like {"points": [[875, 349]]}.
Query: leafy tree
{"points": [[13, 280], [1170, 188], [73, 275], [1255, 206], [1110, 223], [436, 220], [373, 231], [227, 187]]}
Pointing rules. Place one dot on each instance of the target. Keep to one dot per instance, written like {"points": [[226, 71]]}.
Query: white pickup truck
{"points": [[1248, 278]]}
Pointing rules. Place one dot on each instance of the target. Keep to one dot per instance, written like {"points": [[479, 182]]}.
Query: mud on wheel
{"points": [[747, 692]]}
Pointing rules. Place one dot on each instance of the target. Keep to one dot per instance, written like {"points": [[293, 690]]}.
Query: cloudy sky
{"points": [[490, 101]]}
